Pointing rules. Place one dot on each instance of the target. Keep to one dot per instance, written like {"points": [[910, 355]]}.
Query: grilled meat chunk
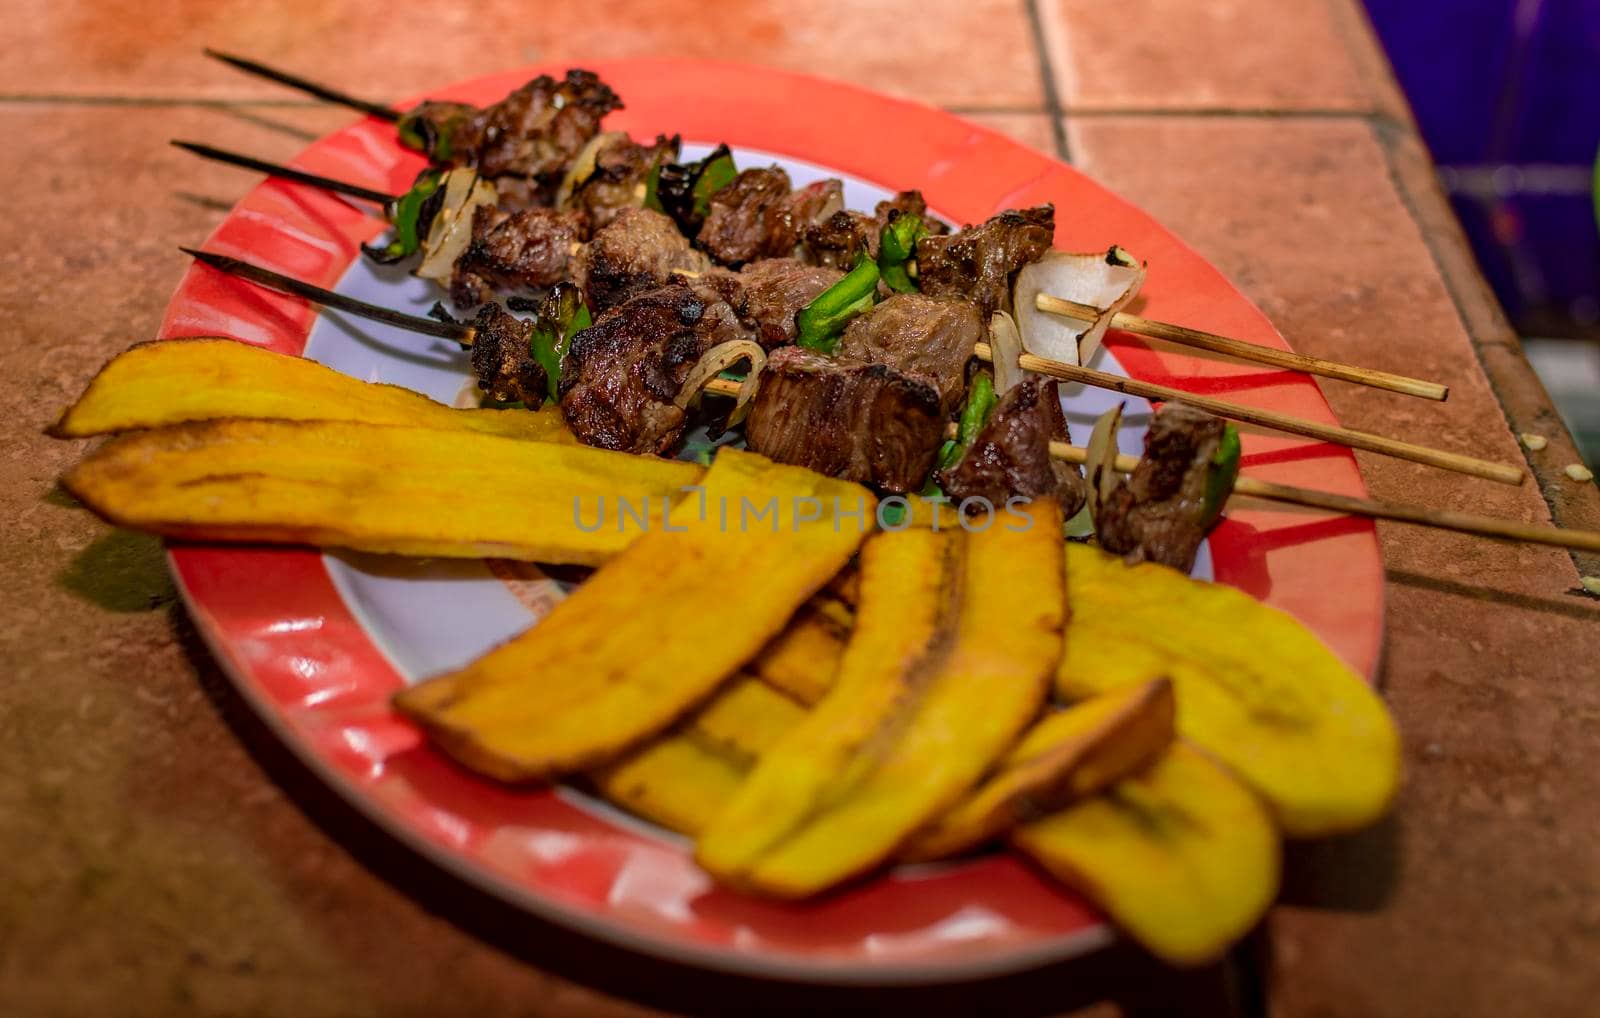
{"points": [[846, 418], [921, 337], [1011, 454], [757, 216], [846, 235], [503, 360], [977, 263], [530, 249], [621, 375], [842, 238], [618, 179], [768, 294], [534, 132], [639, 251], [1159, 512]]}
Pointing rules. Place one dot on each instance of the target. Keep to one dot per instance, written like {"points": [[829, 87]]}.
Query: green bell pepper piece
{"points": [[821, 322]]}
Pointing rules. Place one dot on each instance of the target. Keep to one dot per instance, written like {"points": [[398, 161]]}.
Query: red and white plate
{"points": [[317, 643]]}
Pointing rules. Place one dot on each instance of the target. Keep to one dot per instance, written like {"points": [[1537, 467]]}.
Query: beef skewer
{"points": [[1504, 473], [1349, 505], [1468, 523], [526, 140], [1050, 304], [810, 371]]}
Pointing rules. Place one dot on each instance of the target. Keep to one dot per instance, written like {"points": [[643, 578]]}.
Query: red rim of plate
{"points": [[304, 662]]}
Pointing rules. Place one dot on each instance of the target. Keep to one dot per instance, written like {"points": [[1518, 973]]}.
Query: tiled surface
{"points": [[976, 53], [1221, 54], [1487, 651], [154, 865]]}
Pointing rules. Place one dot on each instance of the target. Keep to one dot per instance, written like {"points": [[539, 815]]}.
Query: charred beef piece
{"points": [[618, 180], [639, 251], [875, 412], [768, 294], [1158, 513], [921, 337], [621, 374], [1011, 454], [846, 235], [851, 419], [530, 249], [757, 216], [842, 238], [534, 132], [977, 263], [502, 358]]}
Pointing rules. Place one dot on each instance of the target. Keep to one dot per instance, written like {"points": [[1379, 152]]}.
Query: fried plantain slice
{"points": [[674, 781], [910, 582], [413, 491], [1181, 855], [174, 381], [683, 778], [824, 808], [803, 660], [1254, 688], [1064, 757], [744, 720], [610, 666]]}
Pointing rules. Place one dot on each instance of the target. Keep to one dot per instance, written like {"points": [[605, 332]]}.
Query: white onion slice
{"points": [[1104, 279], [582, 167], [718, 359], [1100, 458], [451, 231], [1005, 347]]}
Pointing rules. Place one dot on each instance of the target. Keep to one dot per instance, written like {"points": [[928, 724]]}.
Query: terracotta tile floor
{"points": [[154, 863]]}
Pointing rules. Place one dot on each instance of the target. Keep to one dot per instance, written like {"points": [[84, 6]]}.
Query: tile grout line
{"points": [[67, 99], [1052, 108], [1047, 81], [1583, 562]]}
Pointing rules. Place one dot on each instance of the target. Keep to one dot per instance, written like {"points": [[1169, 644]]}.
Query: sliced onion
{"points": [[718, 359], [1104, 279], [464, 191], [1005, 346], [582, 167], [1100, 458], [830, 205]]}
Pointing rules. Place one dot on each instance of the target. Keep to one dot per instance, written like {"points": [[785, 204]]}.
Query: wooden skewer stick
{"points": [[1246, 351], [221, 155], [1505, 473], [332, 95], [1467, 523]]}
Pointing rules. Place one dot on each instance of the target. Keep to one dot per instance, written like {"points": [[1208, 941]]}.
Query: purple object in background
{"points": [[1507, 95]]}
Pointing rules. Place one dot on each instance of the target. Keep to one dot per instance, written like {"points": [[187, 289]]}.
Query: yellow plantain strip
{"points": [[744, 720], [1254, 688], [1064, 757], [682, 779], [803, 660], [180, 380], [675, 782], [1181, 855], [978, 695], [909, 584], [414, 491], [610, 666]]}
